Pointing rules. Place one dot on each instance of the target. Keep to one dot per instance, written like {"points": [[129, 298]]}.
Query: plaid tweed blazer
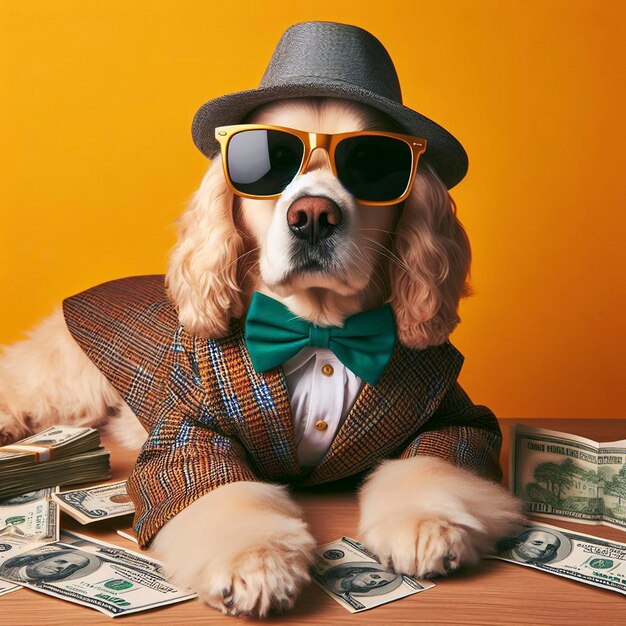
{"points": [[213, 420]]}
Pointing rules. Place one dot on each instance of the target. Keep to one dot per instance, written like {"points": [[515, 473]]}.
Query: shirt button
{"points": [[327, 370], [321, 425]]}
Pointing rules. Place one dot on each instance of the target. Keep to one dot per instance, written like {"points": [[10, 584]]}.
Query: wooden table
{"points": [[493, 593]]}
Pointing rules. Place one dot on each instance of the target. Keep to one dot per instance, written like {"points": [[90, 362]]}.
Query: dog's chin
{"points": [[298, 281], [310, 269]]}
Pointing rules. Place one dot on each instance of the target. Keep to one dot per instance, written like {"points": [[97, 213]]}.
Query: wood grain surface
{"points": [[493, 593]]}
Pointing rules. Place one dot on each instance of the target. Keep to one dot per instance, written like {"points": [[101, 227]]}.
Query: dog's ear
{"points": [[432, 272], [202, 277]]}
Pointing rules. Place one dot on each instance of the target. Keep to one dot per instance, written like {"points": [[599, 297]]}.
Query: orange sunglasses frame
{"points": [[327, 142]]}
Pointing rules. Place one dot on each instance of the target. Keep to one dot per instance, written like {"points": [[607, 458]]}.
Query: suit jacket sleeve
{"points": [[462, 433], [130, 331], [181, 461], [185, 456]]}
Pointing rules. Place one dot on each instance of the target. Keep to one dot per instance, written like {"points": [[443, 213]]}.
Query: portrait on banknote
{"points": [[354, 577], [368, 579], [24, 498], [84, 571], [60, 564], [570, 554], [536, 545]]}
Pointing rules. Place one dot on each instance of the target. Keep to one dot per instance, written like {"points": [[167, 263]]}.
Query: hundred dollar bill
{"points": [[127, 533], [7, 587], [5, 548], [34, 513], [581, 557], [95, 574], [12, 542], [355, 578], [559, 475], [98, 502]]}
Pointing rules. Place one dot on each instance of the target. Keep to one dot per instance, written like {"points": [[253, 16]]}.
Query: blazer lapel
{"points": [[384, 416]]}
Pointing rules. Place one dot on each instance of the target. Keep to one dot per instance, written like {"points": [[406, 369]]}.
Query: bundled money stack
{"points": [[60, 455]]}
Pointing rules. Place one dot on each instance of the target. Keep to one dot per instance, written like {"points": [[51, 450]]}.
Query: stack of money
{"points": [[60, 455]]}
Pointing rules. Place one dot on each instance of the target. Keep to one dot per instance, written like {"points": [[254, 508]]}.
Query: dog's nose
{"points": [[313, 218]]}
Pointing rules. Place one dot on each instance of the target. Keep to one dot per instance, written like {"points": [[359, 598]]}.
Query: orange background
{"points": [[97, 162]]}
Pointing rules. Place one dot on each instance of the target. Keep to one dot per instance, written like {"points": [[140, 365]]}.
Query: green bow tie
{"points": [[274, 335]]}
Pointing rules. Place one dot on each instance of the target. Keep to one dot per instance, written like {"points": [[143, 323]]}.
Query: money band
{"points": [[42, 453]]}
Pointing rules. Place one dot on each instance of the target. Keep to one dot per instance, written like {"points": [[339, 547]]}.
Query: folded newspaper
{"points": [[59, 455]]}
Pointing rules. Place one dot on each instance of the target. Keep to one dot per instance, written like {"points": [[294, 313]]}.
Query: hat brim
{"points": [[444, 152]]}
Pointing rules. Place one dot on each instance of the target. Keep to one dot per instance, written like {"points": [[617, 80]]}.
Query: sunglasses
{"points": [[377, 168]]}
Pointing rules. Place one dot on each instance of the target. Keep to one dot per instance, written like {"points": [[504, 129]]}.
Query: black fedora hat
{"points": [[337, 61]]}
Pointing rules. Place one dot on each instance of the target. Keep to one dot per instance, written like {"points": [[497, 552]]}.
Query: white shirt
{"points": [[321, 391]]}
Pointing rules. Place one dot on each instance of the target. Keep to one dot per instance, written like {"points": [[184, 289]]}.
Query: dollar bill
{"points": [[95, 503], [559, 475], [355, 578], [574, 555], [7, 587], [12, 542], [34, 513], [95, 574], [127, 533]]}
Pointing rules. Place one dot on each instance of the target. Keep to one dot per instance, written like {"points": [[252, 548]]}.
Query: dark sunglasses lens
{"points": [[263, 162], [374, 168]]}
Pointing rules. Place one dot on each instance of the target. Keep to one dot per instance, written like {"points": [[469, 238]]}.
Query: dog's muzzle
{"points": [[314, 218]]}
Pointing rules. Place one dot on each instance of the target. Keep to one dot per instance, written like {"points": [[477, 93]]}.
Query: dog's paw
{"points": [[12, 429], [425, 517], [261, 577], [424, 548], [242, 548]]}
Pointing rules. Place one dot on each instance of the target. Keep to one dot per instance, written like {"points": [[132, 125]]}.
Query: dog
{"points": [[243, 546]]}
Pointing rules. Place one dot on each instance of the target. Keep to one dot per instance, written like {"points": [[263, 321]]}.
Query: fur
{"points": [[244, 547], [425, 517]]}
